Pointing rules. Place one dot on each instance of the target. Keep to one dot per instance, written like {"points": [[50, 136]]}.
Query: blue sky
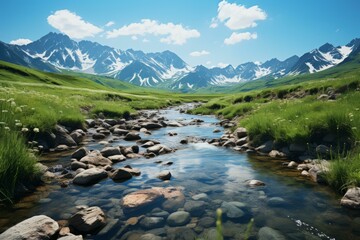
{"points": [[246, 30]]}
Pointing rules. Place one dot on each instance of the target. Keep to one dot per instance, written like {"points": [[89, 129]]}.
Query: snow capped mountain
{"points": [[55, 52], [137, 67], [320, 59]]}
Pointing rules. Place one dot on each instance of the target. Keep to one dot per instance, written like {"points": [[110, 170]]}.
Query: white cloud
{"points": [[145, 40], [208, 62], [72, 25], [222, 65], [199, 53], [134, 38], [173, 33], [109, 24], [238, 37], [238, 16], [214, 23], [21, 41]]}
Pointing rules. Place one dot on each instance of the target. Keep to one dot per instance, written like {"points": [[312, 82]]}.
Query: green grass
{"points": [[17, 164], [345, 172]]}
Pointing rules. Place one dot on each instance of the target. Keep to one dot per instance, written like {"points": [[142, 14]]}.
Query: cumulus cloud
{"points": [[238, 37], [199, 53], [72, 25], [238, 17], [134, 38], [109, 24], [21, 41], [172, 33]]}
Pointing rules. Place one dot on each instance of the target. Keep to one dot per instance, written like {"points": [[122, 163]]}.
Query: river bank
{"points": [[134, 203]]}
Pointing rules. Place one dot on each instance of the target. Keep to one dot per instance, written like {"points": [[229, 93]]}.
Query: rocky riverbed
{"points": [[163, 174]]}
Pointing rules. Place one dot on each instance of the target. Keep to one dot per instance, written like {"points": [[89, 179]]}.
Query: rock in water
{"points": [[90, 176], [351, 198], [141, 198], [266, 233], [131, 136], [37, 227], [95, 158], [88, 220], [121, 174], [164, 175], [179, 218], [80, 153]]}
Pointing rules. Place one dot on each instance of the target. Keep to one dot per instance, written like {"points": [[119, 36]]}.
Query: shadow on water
{"points": [[289, 203]]}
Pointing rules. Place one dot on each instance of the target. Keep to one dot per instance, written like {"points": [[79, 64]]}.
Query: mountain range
{"points": [[56, 52]]}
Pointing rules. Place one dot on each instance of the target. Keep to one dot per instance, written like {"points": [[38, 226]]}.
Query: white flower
{"points": [[36, 130], [18, 124], [13, 104], [7, 128], [24, 129], [4, 111]]}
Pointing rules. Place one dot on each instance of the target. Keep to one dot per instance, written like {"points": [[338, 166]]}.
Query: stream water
{"points": [[288, 202]]}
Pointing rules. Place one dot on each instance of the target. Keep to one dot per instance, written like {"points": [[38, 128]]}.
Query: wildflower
{"points": [[13, 104], [7, 128], [24, 129], [354, 128], [10, 100], [4, 111], [36, 130], [17, 120], [18, 124], [18, 109], [32, 109]]}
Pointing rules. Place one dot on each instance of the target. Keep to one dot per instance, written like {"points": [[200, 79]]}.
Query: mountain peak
{"points": [[327, 47]]}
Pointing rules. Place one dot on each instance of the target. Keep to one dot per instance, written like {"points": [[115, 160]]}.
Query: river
{"points": [[288, 203]]}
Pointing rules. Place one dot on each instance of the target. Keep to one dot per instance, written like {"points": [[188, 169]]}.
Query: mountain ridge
{"points": [[56, 52]]}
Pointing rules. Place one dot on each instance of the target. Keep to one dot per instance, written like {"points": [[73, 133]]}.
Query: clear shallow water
{"points": [[307, 211]]}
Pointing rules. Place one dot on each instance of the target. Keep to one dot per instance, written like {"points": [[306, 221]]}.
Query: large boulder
{"points": [[179, 218], [131, 136], [35, 228], [351, 198], [95, 158], [110, 151], [90, 176], [117, 158], [88, 220], [78, 135]]}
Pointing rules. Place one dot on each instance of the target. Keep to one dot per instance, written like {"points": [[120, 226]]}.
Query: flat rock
{"points": [[88, 220], [351, 198], [37, 227], [110, 151], [95, 158], [90, 176], [117, 158], [71, 237], [141, 198], [179, 218]]}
